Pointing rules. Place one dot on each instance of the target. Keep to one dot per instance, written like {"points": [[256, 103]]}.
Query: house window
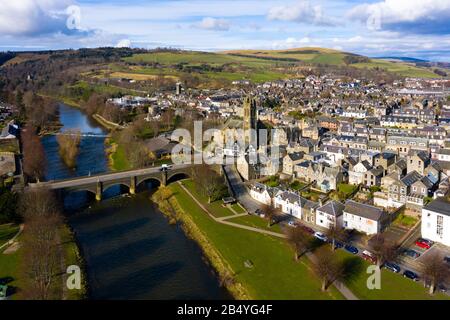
{"points": [[440, 226]]}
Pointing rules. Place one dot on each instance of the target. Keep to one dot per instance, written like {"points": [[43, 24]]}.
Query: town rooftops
{"points": [[440, 205], [363, 210]]}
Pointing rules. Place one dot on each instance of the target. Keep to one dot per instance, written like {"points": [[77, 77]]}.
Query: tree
{"points": [[34, 158], [300, 241], [69, 143], [434, 270], [334, 234], [382, 249], [209, 183], [327, 267], [270, 213], [41, 259]]}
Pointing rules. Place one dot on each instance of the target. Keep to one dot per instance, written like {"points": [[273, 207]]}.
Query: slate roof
{"points": [[439, 205], [333, 208], [363, 210]]}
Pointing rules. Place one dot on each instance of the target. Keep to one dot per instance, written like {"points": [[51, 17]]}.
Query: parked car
{"points": [[424, 243], [411, 275], [392, 266], [338, 245], [368, 256], [291, 224], [442, 288], [411, 253], [351, 249], [321, 236], [308, 229]]}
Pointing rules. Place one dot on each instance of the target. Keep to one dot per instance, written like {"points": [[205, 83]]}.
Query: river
{"points": [[131, 251]]}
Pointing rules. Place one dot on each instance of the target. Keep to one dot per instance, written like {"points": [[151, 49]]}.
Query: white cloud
{"points": [[33, 17], [408, 16], [302, 12], [209, 23], [124, 43], [292, 42]]}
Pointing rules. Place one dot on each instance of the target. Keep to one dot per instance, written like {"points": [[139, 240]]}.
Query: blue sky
{"points": [[414, 28]]}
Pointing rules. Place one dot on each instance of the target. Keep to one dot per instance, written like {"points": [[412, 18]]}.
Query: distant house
{"points": [[293, 204], [363, 217], [436, 221], [356, 173], [290, 160], [330, 215]]}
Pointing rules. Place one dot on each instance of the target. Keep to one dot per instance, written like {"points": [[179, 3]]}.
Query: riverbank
{"points": [[172, 210], [259, 265]]}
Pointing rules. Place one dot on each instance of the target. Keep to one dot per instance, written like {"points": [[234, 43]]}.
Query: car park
{"points": [[411, 275], [424, 243], [320, 236], [351, 249], [392, 266]]}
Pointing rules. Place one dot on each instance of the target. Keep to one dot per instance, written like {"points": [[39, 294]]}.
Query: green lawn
{"points": [[216, 208], [120, 161], [7, 231], [274, 275], [237, 208], [297, 185], [10, 269], [393, 286], [255, 221], [405, 221]]}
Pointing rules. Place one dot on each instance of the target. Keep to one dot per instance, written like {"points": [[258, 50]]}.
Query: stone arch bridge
{"points": [[96, 184]]}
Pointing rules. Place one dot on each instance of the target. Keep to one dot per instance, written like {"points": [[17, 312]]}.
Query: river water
{"points": [[131, 251]]}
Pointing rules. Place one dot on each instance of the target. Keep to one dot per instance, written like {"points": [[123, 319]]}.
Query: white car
{"points": [[165, 167], [321, 236], [291, 223]]}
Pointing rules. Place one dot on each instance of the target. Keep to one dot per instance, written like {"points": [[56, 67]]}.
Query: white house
{"points": [[363, 217], [330, 215], [436, 221], [262, 193], [289, 203]]}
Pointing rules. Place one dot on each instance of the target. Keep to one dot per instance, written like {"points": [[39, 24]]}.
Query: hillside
{"points": [[338, 58]]}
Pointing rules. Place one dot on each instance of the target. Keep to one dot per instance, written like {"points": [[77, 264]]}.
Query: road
{"points": [[240, 190]]}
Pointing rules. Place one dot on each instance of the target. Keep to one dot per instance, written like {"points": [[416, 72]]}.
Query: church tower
{"points": [[250, 116]]}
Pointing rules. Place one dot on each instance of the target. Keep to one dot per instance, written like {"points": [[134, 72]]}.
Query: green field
{"points": [[274, 275], [7, 231], [255, 221], [393, 286]]}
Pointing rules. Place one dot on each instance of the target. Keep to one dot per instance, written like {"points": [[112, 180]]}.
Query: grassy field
{"points": [[215, 207], [274, 275], [7, 231], [258, 222], [393, 286]]}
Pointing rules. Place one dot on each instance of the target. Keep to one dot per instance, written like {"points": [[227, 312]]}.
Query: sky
{"points": [[408, 28]]}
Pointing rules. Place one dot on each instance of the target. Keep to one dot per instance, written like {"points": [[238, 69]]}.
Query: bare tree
{"points": [[327, 267], [300, 241], [434, 270], [382, 249], [208, 182], [41, 259], [34, 158], [270, 213], [335, 234]]}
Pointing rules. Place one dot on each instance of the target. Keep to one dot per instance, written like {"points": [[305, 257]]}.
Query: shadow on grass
{"points": [[352, 268]]}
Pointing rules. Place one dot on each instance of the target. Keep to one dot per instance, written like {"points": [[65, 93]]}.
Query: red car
{"points": [[424, 243], [308, 229], [368, 256]]}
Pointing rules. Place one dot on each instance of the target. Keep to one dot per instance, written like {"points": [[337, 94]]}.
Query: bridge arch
{"points": [[109, 186], [178, 176], [140, 181]]}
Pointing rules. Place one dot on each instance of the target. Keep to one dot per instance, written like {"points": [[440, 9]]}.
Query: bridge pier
{"points": [[133, 185], [164, 178], [99, 191]]}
